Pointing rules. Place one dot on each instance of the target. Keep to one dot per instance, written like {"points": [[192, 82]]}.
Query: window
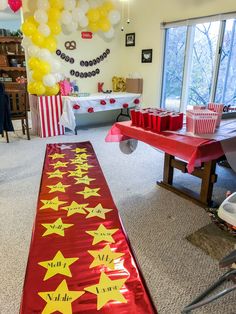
{"points": [[199, 64]]}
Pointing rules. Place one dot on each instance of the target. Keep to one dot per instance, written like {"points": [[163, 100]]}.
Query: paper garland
{"points": [[80, 260]]}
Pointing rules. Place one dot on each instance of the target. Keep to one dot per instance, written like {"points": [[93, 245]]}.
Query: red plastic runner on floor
{"points": [[80, 260]]}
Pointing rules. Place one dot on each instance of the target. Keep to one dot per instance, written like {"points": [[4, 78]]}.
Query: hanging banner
{"points": [[80, 260]]}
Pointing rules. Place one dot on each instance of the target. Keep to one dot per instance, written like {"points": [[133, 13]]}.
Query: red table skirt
{"points": [[193, 150]]}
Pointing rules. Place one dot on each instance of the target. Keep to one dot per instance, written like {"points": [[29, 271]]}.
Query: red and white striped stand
{"points": [[45, 113]]}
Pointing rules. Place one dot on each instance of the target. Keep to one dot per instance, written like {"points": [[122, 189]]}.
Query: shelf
{"points": [[19, 69], [10, 39]]}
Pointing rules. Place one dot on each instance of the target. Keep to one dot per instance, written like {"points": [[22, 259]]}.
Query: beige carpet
{"points": [[157, 221]]}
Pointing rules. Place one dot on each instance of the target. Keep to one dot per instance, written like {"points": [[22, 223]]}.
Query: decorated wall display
{"points": [[70, 45], [80, 260], [40, 37], [14, 5]]}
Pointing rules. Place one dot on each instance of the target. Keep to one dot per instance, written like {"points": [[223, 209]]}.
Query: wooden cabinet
{"points": [[12, 59]]}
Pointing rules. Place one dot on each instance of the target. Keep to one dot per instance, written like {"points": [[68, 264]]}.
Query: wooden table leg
{"points": [[168, 172], [208, 180]]}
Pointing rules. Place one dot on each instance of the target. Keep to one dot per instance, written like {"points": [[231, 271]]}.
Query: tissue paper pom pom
{"points": [[112, 101], [125, 105], [90, 110], [136, 101], [103, 102]]}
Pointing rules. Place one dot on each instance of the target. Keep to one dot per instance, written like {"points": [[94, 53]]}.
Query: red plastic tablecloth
{"points": [[193, 150]]}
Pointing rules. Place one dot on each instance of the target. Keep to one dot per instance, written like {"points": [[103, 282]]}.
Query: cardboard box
{"points": [[134, 85]]}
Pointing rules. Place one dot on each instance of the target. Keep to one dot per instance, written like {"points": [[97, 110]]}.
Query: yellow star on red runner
{"points": [[107, 290], [60, 164], [79, 150], [84, 180], [83, 156], [104, 257], [84, 166], [60, 300], [77, 161], [59, 187], [54, 203], [58, 265], [56, 156], [56, 174], [98, 211], [75, 208], [87, 192], [56, 227], [77, 173], [102, 234]]}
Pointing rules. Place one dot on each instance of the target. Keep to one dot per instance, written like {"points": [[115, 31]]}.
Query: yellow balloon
{"points": [[38, 39], [31, 20], [58, 4], [54, 27], [39, 88], [33, 63], [93, 15], [54, 90], [50, 43], [104, 25], [44, 68], [28, 28], [94, 27], [31, 88], [37, 75], [108, 5], [54, 14], [103, 12]]}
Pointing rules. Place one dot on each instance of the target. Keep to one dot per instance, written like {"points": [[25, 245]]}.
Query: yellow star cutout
{"points": [[54, 203], [77, 161], [79, 150], [56, 227], [75, 208], [84, 180], [56, 174], [98, 211], [56, 156], [102, 234], [104, 257], [76, 173], [83, 156], [84, 167], [59, 187], [87, 192], [60, 300], [107, 290], [58, 265], [59, 164]]}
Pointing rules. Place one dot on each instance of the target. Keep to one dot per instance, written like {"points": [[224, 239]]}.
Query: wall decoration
{"points": [[86, 35], [146, 56], [130, 39], [104, 55], [118, 84], [63, 56], [70, 45], [15, 5]]}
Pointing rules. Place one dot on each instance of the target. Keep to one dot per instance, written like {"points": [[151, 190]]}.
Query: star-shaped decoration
{"points": [[84, 167], [60, 300], [83, 156], [79, 150], [98, 211], [56, 227], [56, 174], [58, 265], [77, 161], [77, 173], [75, 208], [107, 290], [59, 187], [56, 156], [87, 192], [59, 164], [104, 257], [54, 203], [63, 146], [102, 234], [84, 180]]}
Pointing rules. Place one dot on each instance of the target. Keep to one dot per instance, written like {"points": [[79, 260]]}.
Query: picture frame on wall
{"points": [[146, 56], [130, 39]]}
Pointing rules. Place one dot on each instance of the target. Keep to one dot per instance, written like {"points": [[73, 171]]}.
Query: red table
{"points": [[194, 155]]}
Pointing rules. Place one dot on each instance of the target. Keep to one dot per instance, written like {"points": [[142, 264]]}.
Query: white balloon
{"points": [[78, 14], [55, 65], [83, 4], [3, 4], [44, 29], [110, 34], [84, 22], [72, 27], [41, 16], [33, 50], [44, 54], [26, 42], [66, 17], [49, 80], [69, 4], [114, 17], [59, 77], [93, 3], [43, 4]]}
